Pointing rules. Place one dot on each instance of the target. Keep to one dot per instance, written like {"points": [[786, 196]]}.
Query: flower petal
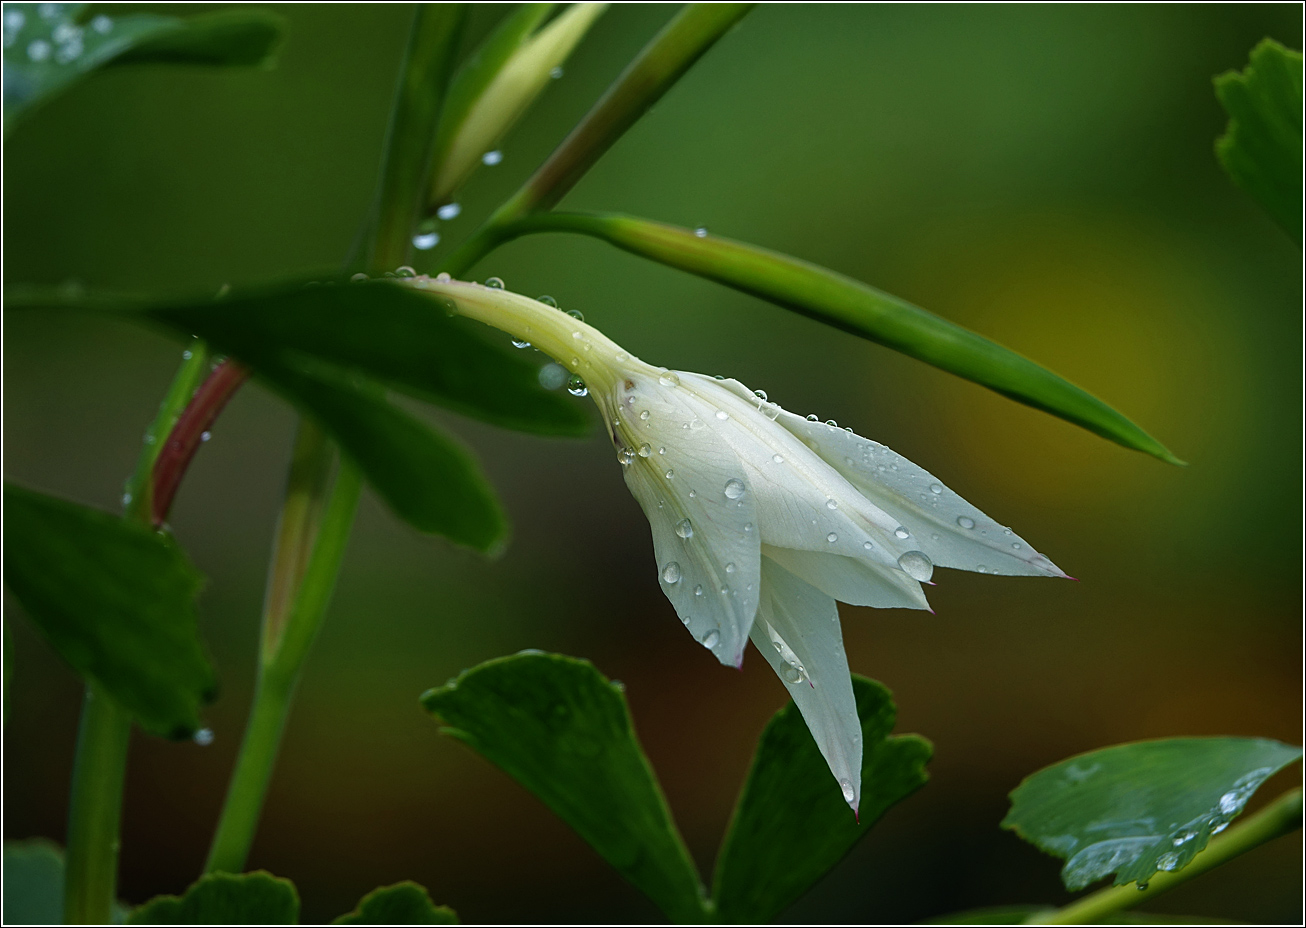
{"points": [[797, 630], [949, 530], [850, 580], [703, 514]]}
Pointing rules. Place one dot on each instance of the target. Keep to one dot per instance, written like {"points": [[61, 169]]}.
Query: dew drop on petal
{"points": [[547, 301], [936, 488], [576, 386], [698, 590], [644, 415], [847, 787], [791, 674], [832, 538], [711, 639], [520, 343], [701, 232], [693, 494], [450, 211], [831, 423], [722, 414], [671, 572], [670, 474], [425, 241], [867, 545], [645, 450], [494, 283], [576, 314], [916, 565], [626, 456], [831, 504], [760, 394], [359, 278], [901, 532], [734, 488], [981, 569], [492, 157], [685, 528], [813, 418], [965, 522], [777, 458], [669, 379], [730, 568], [748, 527]]}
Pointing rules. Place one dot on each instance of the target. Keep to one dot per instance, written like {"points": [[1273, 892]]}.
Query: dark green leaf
{"points": [[560, 729], [257, 898], [1262, 148], [49, 46], [116, 600], [857, 308], [791, 824], [33, 883], [404, 903], [1133, 809]]}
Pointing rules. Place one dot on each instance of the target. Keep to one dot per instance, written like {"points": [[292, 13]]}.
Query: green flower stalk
{"points": [[763, 519]]}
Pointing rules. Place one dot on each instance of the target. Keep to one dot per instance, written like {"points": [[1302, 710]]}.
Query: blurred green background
{"points": [[1041, 174]]}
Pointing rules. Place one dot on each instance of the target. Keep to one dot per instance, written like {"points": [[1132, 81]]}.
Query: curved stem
{"points": [[1280, 817]]}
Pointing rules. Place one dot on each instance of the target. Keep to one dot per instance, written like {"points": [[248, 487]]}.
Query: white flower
{"points": [[763, 519]]}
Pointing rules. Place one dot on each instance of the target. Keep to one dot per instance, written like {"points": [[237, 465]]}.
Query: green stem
{"points": [[100, 764], [91, 866], [1280, 817], [310, 546]]}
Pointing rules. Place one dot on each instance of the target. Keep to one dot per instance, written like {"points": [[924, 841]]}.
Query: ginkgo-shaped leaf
{"points": [[1133, 809], [405, 903], [257, 898]]}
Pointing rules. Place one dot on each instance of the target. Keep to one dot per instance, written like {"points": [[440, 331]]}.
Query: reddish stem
{"points": [[185, 438]]}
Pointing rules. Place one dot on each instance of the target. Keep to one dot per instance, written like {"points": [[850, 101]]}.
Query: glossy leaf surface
{"points": [[116, 600], [564, 732], [1138, 808]]}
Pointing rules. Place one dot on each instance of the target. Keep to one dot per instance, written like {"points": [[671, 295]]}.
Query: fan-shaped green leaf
{"points": [[405, 903], [257, 898]]}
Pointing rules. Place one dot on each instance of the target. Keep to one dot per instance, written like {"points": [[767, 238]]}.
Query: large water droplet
{"points": [[791, 674], [685, 528], [625, 456], [936, 488], [669, 379], [831, 423], [777, 458], [761, 395], [359, 278], [848, 792], [867, 545], [449, 211], [405, 271], [494, 283], [831, 504], [711, 639], [722, 415], [832, 538], [916, 565], [645, 450], [734, 488], [425, 241], [901, 532], [492, 157], [643, 415], [671, 572], [520, 343], [547, 301], [576, 386], [965, 522]]}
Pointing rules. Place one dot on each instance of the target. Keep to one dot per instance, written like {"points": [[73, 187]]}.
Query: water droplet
{"points": [[149, 439], [38, 50], [901, 532], [205, 436], [671, 572], [203, 737], [693, 494], [492, 157], [734, 488], [722, 415], [916, 565], [1168, 861], [936, 488], [187, 355], [847, 787], [791, 674], [1219, 828], [1015, 546], [981, 569], [555, 73], [449, 211], [730, 568], [777, 458], [760, 394], [1142, 885], [867, 545], [685, 528], [831, 423], [662, 451], [359, 278], [576, 386], [494, 283], [443, 277], [102, 24], [831, 504], [520, 343], [748, 526], [552, 376], [832, 538], [547, 301], [669, 379], [1230, 802], [643, 415], [698, 590], [645, 450], [701, 232], [425, 241], [126, 499], [711, 639], [576, 314], [965, 522], [405, 271], [696, 423]]}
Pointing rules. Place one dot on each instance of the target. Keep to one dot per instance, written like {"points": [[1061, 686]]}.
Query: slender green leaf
{"points": [[405, 903], [33, 883], [791, 824], [1262, 148], [498, 84], [560, 729], [49, 46], [116, 600], [257, 898], [1133, 809], [1016, 914], [857, 308]]}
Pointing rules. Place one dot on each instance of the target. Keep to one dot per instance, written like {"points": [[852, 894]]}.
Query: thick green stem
{"points": [[1280, 817], [310, 545], [100, 765], [91, 866]]}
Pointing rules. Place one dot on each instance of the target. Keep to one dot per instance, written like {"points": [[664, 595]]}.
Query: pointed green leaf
{"points": [[1134, 809], [49, 46], [564, 732], [116, 600], [857, 308], [405, 903], [791, 824], [257, 898], [1262, 148]]}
